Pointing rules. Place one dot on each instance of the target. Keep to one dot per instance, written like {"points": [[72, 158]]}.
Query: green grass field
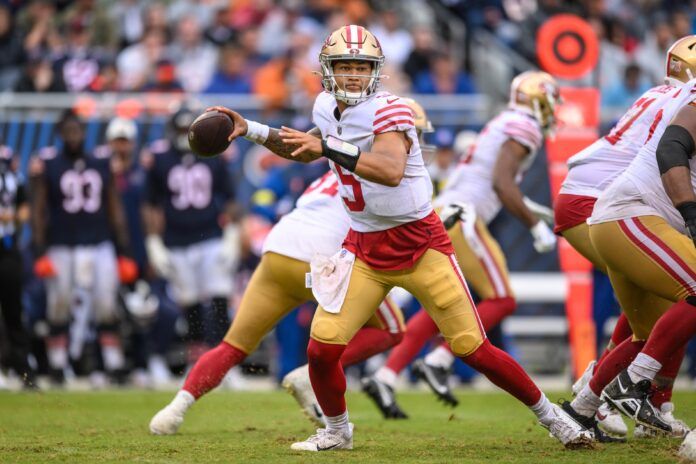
{"points": [[259, 427]]}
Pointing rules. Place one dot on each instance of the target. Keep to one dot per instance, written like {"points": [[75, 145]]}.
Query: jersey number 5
{"points": [[348, 180]]}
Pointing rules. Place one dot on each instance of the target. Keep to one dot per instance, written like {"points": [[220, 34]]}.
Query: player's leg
{"points": [[216, 285], [437, 282], [654, 257], [59, 300], [104, 301], [330, 334], [276, 286]]}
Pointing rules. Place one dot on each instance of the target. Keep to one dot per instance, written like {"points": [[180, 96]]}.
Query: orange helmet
{"points": [[350, 43], [536, 93], [681, 61]]}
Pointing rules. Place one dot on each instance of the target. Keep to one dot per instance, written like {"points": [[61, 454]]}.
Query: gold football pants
{"points": [[435, 280], [276, 287], [651, 265]]}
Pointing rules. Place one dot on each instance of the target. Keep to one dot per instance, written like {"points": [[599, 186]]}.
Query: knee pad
{"points": [[319, 353], [325, 330], [465, 343]]}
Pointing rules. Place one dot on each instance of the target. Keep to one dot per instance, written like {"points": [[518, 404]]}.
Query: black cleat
{"points": [[631, 399], [589, 423], [57, 378], [437, 380], [383, 396]]}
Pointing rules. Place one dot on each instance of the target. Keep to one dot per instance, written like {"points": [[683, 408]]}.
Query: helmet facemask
{"points": [[328, 78]]}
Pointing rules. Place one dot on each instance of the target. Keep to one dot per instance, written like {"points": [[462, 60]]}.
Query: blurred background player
{"points": [[590, 172], [14, 212], [192, 237], [485, 181], [78, 227]]}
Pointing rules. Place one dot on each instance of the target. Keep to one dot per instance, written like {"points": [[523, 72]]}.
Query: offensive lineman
{"points": [[78, 227], [641, 236], [590, 172], [192, 239], [485, 180], [396, 239]]}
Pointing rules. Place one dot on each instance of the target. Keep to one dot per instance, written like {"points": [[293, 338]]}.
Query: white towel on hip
{"points": [[330, 279]]}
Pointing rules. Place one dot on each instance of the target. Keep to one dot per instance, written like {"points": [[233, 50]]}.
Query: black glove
{"points": [[688, 212]]}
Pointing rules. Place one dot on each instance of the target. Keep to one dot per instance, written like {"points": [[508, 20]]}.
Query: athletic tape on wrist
{"points": [[257, 132], [342, 153]]}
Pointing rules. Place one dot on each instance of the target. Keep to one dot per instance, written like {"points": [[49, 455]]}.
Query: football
{"points": [[208, 133]]}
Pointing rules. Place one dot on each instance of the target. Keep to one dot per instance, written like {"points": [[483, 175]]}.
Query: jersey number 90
{"points": [[191, 187]]}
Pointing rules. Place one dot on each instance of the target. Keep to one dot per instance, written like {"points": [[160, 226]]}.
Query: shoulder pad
{"points": [[159, 146], [48, 153], [102, 152]]}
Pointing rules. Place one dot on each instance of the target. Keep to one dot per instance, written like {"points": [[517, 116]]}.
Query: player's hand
{"points": [[158, 255], [240, 124], [307, 143], [127, 270], [544, 238], [44, 268]]}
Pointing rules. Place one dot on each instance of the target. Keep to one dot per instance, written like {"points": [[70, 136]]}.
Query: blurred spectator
{"points": [[444, 77], [155, 18], [283, 81], [445, 158], [396, 42], [195, 58], [137, 63], [625, 92], [107, 80], [650, 55], [79, 63], [36, 21], [248, 40], [102, 32], [163, 79], [233, 74], [220, 32], [681, 23], [39, 76], [418, 60], [128, 15], [276, 30], [11, 51], [613, 59], [201, 10]]}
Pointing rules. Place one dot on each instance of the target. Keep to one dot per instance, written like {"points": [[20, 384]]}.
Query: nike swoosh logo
{"points": [[327, 448], [600, 416], [389, 102], [621, 387]]}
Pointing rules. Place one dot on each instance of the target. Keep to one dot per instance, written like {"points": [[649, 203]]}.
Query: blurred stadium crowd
{"points": [[268, 49]]}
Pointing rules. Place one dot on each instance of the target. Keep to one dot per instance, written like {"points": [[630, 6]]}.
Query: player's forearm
{"points": [[512, 199], [677, 183], [381, 168], [153, 220], [284, 150], [38, 214]]}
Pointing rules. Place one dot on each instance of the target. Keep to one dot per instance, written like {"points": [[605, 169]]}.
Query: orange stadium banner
{"points": [[567, 47]]}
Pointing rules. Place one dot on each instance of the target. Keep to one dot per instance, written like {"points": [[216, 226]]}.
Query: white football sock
{"points": [[440, 357], [57, 357], [338, 423], [113, 357], [586, 403], [386, 376], [643, 367], [543, 410], [182, 401]]}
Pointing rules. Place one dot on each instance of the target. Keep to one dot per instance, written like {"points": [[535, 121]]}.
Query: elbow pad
{"points": [[675, 148]]}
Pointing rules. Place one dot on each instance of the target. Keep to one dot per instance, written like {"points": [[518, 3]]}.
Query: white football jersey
{"points": [[371, 206], [638, 191], [592, 170], [472, 179], [317, 225]]}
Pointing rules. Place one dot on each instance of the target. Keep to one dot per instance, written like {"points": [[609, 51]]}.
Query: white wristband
{"points": [[256, 132]]}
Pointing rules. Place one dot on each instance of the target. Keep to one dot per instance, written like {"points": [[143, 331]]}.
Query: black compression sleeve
{"points": [[675, 148], [342, 158]]}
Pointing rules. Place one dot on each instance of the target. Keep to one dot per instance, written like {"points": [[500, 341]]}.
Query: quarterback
{"points": [[395, 237], [640, 234], [485, 180]]}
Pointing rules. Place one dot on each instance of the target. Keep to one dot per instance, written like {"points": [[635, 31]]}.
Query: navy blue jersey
{"points": [[76, 193], [192, 192]]}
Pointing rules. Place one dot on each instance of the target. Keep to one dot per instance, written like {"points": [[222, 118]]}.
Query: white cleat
{"points": [[679, 427], [610, 421], [325, 440], [297, 383], [687, 450], [166, 422], [566, 430], [584, 378]]}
